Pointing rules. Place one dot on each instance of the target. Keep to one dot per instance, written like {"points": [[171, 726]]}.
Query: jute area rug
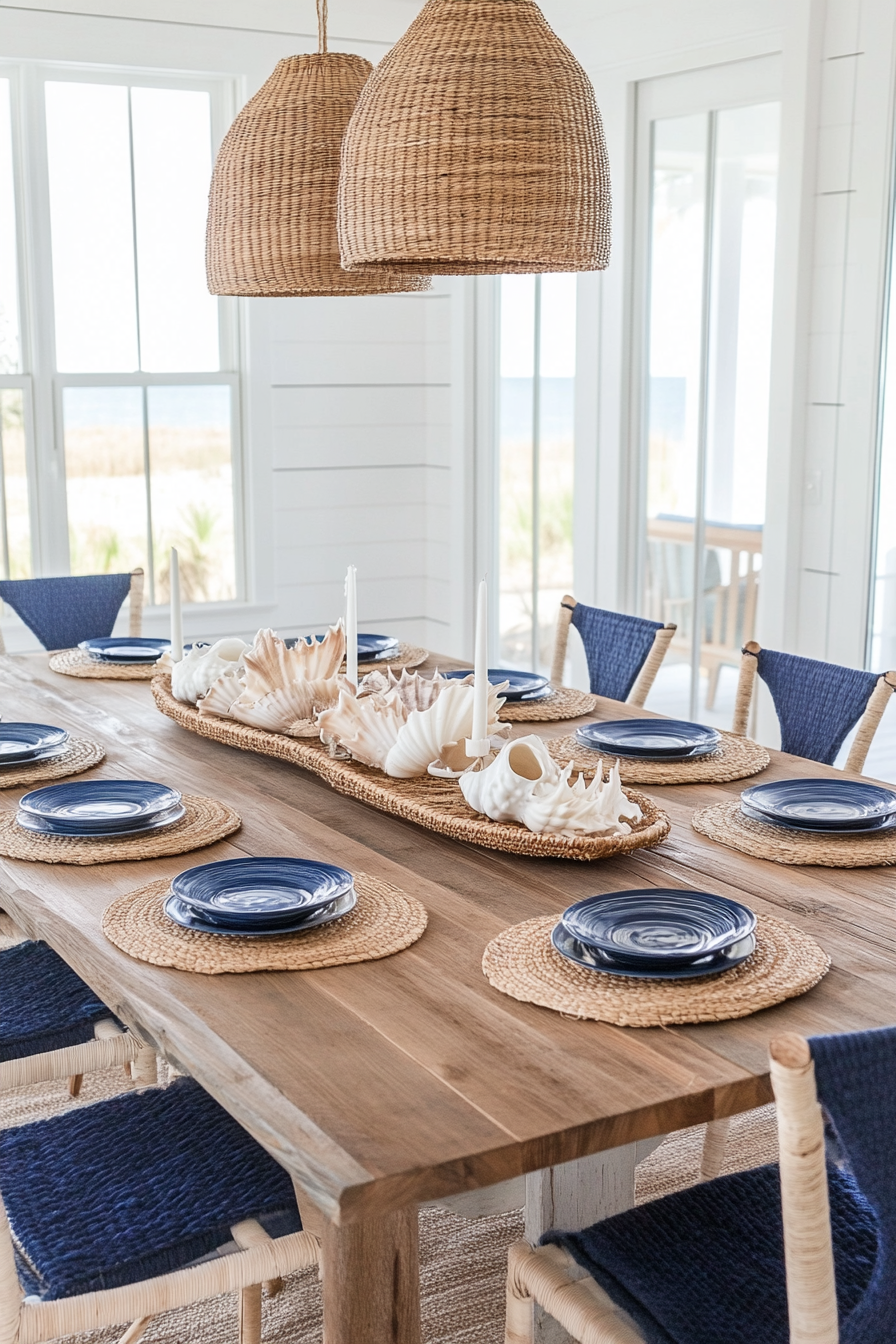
{"points": [[462, 1261]]}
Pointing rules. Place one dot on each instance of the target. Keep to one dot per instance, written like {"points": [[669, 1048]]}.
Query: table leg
{"points": [[371, 1281]]}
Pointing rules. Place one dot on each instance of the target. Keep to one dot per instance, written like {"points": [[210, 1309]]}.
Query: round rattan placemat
{"points": [[408, 655], [384, 921], [563, 703], [737, 758], [81, 755], [726, 823], [76, 663], [523, 963], [205, 822]]}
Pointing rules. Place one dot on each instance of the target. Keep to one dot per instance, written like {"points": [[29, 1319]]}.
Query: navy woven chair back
{"points": [[856, 1077], [817, 703], [63, 611], [616, 646]]}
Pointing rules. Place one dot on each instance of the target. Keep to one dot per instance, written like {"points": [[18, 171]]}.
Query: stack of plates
{"points": [[100, 809], [656, 934], [22, 743], [371, 648], [825, 806], [260, 898], [650, 739], [125, 649], [522, 685]]}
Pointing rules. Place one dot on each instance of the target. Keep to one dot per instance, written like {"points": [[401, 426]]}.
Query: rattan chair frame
{"points": [[135, 607], [868, 723], [111, 1046], [549, 1276], [649, 668]]}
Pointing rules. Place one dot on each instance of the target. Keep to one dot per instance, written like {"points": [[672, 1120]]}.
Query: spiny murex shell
{"points": [[525, 784], [280, 689], [382, 731], [199, 669]]}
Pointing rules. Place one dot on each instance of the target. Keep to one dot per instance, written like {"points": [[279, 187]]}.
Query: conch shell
{"points": [[525, 784], [280, 689], [367, 728], [201, 667]]}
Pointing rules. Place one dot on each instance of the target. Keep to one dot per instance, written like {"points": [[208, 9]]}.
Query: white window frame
{"points": [[42, 384]]}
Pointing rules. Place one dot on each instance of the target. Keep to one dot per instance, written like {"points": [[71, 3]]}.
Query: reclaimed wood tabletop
{"points": [[383, 1084]]}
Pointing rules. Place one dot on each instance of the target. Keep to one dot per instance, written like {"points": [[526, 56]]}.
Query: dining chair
{"points": [[52, 1025], [817, 703], [62, 612], [167, 1201], [803, 1252], [624, 653]]}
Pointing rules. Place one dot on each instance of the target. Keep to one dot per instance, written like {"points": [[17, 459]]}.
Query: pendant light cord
{"points": [[322, 27]]}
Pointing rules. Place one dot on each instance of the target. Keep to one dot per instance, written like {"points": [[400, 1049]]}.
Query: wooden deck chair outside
{"points": [[867, 725], [649, 668], [550, 1277], [135, 607]]}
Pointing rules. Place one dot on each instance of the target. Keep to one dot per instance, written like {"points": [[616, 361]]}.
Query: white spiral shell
{"points": [[199, 669]]}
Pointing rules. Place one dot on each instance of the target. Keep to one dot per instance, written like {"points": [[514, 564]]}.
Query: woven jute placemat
{"points": [[206, 821], [384, 921], [726, 823], [737, 758], [408, 655], [563, 703], [436, 804], [77, 663], [79, 755], [523, 963]]}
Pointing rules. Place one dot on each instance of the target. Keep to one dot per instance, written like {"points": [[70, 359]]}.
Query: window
{"points": [[883, 595], [126, 354], [535, 456], [711, 180]]}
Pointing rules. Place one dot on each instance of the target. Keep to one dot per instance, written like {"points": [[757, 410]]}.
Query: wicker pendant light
{"points": [[476, 148], [272, 206]]}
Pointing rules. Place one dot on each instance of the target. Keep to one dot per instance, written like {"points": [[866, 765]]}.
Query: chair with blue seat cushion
{"points": [[624, 653], [149, 1183], [804, 1251], [52, 1025], [62, 612], [817, 703]]}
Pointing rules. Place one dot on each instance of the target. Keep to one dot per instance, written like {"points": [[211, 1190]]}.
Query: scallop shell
{"points": [[273, 691], [366, 726], [414, 691], [270, 665], [437, 735], [221, 694], [525, 784], [287, 707], [192, 676]]}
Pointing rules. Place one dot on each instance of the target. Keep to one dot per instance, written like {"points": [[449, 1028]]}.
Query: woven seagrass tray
{"points": [[77, 663], [522, 963], [385, 921], [726, 823], [436, 804], [206, 821], [80, 755], [564, 702], [737, 758]]}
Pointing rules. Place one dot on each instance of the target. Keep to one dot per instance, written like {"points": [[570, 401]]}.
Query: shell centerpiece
{"points": [[279, 688], [199, 669], [437, 736]]}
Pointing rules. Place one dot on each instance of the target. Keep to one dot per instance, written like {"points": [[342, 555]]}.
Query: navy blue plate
{"points": [[22, 741], [829, 804], [522, 685], [41, 826], [118, 802], [658, 925], [245, 891], [873, 827], [660, 738], [184, 914], [370, 647], [125, 649], [589, 957]]}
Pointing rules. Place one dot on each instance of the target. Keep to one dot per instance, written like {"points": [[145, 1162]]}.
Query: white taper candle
{"points": [[177, 620], [478, 743], [351, 626]]}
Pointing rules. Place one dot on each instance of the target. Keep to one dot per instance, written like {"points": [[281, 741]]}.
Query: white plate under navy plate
{"points": [[41, 826], [182, 913], [829, 804], [881, 826], [589, 957]]}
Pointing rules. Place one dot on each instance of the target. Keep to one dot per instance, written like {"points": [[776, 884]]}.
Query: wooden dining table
{"points": [[383, 1085]]}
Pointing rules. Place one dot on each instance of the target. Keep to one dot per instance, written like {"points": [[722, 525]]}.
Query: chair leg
{"points": [[145, 1067], [135, 1331], [250, 1314], [519, 1325], [74, 1084], [714, 1148]]}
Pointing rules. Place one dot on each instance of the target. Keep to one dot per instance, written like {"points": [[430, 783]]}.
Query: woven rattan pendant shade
{"points": [[272, 205], [476, 147]]}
